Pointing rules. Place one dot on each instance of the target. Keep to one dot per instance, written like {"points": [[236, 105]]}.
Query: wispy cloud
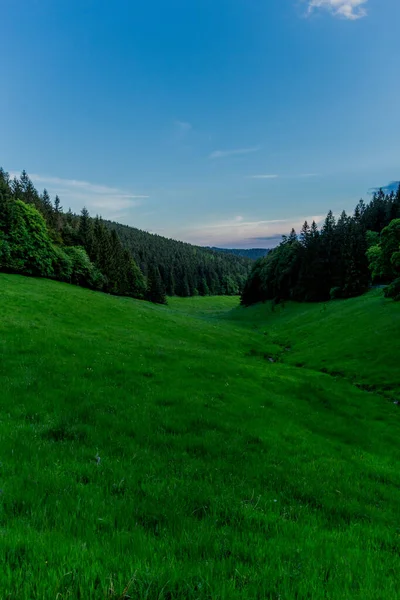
{"points": [[240, 233], [346, 9], [182, 130], [237, 152], [263, 176], [274, 176], [110, 202], [183, 126]]}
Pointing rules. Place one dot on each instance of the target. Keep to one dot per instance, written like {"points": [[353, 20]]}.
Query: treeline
{"points": [[38, 238], [339, 260], [185, 270], [252, 253]]}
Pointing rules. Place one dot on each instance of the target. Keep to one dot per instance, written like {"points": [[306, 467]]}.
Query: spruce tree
{"points": [[85, 231], [155, 287]]}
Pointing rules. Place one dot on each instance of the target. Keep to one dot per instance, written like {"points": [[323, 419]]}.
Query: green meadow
{"points": [[197, 451]]}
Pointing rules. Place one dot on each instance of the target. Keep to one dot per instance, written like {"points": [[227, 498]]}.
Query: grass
{"points": [[357, 339], [157, 453]]}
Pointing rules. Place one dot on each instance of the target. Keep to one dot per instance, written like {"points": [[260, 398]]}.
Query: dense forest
{"points": [[185, 270], [338, 260], [38, 238], [252, 253]]}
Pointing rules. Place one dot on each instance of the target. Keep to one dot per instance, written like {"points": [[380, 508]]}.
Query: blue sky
{"points": [[218, 122]]}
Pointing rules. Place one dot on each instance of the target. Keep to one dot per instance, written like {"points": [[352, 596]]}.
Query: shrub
{"points": [[25, 243], [62, 265], [393, 290], [5, 252], [84, 272]]}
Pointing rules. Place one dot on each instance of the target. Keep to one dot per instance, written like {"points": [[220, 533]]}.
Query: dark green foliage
{"points": [[393, 290], [372, 238], [384, 255], [390, 244], [37, 238], [381, 210], [252, 253], [25, 246], [185, 270], [155, 287], [122, 275], [376, 266], [63, 264], [335, 262], [117, 251], [134, 281], [253, 291], [274, 277], [83, 271]]}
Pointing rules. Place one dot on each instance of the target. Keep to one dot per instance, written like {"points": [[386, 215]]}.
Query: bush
{"points": [[62, 265], [25, 243], [5, 252], [84, 272], [393, 290]]}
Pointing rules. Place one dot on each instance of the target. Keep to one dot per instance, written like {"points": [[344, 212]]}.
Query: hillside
{"points": [[115, 258], [252, 253], [155, 452], [185, 269], [354, 339]]}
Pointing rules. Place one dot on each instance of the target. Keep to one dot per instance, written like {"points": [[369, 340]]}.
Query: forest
{"points": [[253, 253], [338, 260], [38, 238]]}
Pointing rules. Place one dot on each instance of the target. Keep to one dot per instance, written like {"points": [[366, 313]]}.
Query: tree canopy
{"points": [[334, 261], [38, 237]]}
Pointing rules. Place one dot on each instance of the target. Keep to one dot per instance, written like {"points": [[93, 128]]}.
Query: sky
{"points": [[217, 122]]}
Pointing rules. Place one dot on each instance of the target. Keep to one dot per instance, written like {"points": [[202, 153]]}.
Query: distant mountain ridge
{"points": [[252, 253]]}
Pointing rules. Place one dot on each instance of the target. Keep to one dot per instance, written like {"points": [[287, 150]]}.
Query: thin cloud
{"points": [[240, 223], [235, 233], [238, 152], [182, 130], [274, 176], [346, 9], [110, 202], [183, 126]]}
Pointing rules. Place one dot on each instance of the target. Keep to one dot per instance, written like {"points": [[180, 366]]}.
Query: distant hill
{"points": [[120, 260], [185, 270], [393, 186], [252, 253]]}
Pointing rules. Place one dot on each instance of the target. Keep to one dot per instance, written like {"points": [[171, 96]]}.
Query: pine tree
{"points": [[46, 208], [155, 287], [6, 206], [85, 231], [305, 234], [57, 214]]}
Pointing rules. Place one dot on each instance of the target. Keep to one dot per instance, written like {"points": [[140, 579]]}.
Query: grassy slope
{"points": [[357, 339], [222, 475]]}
